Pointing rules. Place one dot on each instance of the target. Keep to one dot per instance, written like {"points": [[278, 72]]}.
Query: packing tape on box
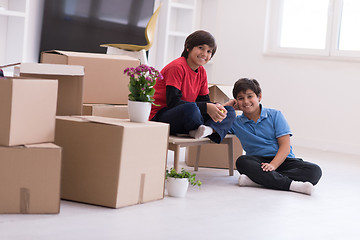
{"points": [[24, 200], [141, 189]]}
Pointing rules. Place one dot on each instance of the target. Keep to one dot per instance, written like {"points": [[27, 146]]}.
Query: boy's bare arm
{"points": [[281, 155]]}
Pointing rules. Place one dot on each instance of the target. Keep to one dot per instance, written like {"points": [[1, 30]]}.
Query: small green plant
{"points": [[183, 174]]}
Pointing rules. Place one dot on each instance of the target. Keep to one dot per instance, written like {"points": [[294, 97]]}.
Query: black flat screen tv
{"points": [[83, 25]]}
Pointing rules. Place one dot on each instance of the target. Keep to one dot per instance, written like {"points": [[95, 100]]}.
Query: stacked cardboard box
{"points": [[106, 110], [112, 162], [105, 84], [215, 155], [102, 163], [70, 79], [29, 162]]}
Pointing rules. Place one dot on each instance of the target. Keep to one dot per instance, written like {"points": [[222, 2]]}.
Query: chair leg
{"points": [[142, 57], [231, 157], [176, 158], [198, 150]]}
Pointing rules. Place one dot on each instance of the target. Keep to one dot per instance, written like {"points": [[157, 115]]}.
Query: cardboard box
{"points": [[28, 110], [106, 110], [112, 162], [70, 79], [220, 93], [105, 81], [30, 179], [214, 155]]}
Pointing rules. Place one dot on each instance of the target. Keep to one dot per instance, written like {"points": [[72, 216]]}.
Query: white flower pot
{"points": [[139, 111], [177, 187]]}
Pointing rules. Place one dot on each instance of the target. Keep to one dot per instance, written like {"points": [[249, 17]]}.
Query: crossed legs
{"points": [[294, 174]]}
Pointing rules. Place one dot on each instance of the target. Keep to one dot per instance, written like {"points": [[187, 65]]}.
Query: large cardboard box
{"points": [[220, 93], [106, 110], [28, 110], [70, 79], [105, 81], [30, 178], [112, 162], [214, 155]]}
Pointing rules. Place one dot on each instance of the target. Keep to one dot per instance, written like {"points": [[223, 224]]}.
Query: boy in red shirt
{"points": [[183, 95]]}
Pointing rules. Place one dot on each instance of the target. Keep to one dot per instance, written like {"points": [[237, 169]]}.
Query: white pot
{"points": [[139, 111], [177, 187]]}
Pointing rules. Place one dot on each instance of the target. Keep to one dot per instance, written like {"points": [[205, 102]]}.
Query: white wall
{"points": [[32, 44], [318, 97]]}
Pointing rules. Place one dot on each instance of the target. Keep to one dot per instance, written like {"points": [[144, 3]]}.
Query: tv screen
{"points": [[83, 25]]}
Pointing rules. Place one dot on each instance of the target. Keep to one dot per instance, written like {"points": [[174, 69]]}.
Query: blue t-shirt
{"points": [[260, 138]]}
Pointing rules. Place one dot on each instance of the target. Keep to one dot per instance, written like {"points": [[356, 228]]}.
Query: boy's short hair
{"points": [[197, 38], [243, 84]]}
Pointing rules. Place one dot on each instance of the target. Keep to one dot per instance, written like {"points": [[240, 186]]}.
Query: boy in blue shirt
{"points": [[265, 136]]}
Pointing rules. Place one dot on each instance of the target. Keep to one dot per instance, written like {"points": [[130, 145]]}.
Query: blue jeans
{"points": [[186, 117]]}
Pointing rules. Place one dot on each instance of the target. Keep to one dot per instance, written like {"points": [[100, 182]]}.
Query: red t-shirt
{"points": [[179, 74]]}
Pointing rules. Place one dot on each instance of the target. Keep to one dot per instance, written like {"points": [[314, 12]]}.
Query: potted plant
{"points": [[141, 87], [178, 183]]}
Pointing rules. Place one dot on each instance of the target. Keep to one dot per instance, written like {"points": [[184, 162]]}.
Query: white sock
{"points": [[302, 187], [244, 180], [201, 132]]}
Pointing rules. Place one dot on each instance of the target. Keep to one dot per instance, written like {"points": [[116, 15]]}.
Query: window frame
{"points": [[331, 51]]}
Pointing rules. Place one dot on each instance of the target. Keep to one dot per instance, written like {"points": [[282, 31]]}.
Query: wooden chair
{"points": [[175, 143]]}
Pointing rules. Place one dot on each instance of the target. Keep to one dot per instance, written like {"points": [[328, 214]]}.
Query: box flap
{"points": [[225, 89], [42, 145], [91, 55], [111, 121], [37, 145], [49, 69], [14, 79], [72, 118]]}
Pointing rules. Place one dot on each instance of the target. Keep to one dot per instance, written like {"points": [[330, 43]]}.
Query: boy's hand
{"points": [[216, 111], [267, 167]]}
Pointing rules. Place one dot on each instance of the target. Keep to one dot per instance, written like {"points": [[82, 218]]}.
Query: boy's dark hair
{"points": [[243, 84], [197, 38]]}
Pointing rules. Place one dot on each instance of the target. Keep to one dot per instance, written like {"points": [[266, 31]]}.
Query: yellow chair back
{"points": [[149, 35]]}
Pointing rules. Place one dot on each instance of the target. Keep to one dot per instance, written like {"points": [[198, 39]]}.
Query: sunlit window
{"points": [[304, 24], [314, 27], [349, 28]]}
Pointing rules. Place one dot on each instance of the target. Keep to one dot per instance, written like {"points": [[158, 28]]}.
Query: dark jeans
{"points": [[186, 117], [291, 169]]}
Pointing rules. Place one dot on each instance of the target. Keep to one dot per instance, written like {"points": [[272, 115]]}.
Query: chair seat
{"points": [[141, 55], [176, 142], [128, 47]]}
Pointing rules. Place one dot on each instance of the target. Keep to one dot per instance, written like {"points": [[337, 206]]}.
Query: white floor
{"points": [[219, 210]]}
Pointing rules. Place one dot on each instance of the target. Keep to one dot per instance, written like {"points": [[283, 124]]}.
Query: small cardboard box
{"points": [[112, 162], [214, 155], [30, 178], [28, 111], [220, 93], [70, 80], [106, 110], [105, 81]]}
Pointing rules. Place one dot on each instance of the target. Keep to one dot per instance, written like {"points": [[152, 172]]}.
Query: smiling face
{"points": [[249, 103], [199, 56]]}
